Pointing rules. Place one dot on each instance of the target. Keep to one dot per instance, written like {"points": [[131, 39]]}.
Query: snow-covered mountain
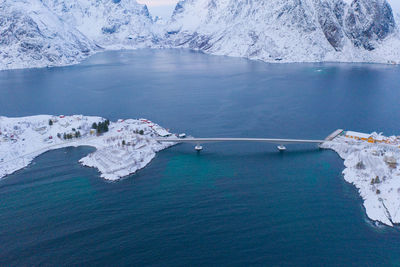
{"points": [[33, 36], [288, 30], [37, 33], [110, 23]]}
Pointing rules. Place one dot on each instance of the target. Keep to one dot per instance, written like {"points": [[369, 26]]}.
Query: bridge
{"points": [[279, 142]]}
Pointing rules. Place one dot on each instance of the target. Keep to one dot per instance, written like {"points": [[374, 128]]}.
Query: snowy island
{"points": [[372, 165], [122, 147]]}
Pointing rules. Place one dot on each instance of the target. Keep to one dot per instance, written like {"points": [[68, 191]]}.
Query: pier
{"points": [[279, 142]]}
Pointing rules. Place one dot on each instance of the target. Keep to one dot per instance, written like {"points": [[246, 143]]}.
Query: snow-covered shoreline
{"points": [[332, 60], [374, 169], [126, 147]]}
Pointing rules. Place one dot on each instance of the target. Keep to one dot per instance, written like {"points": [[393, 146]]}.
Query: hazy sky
{"points": [[164, 8], [161, 8], [158, 2], [395, 5]]}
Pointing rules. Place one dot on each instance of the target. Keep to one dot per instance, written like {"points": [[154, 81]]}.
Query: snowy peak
{"points": [[369, 20], [110, 23], [37, 33], [34, 36], [288, 30], [363, 22]]}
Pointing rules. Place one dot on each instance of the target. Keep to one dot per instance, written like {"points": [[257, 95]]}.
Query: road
{"points": [[260, 140]]}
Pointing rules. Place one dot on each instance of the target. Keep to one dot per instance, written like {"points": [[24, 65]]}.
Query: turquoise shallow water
{"points": [[233, 204]]}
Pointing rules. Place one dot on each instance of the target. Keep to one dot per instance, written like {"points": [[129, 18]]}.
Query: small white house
{"points": [[161, 131]]}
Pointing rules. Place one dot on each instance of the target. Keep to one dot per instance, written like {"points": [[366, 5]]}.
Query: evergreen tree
{"points": [[102, 127]]}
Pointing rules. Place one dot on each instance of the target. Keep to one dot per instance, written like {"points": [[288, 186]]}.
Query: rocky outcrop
{"points": [[369, 21]]}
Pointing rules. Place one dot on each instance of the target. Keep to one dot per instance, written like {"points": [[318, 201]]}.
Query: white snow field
{"points": [[374, 169], [128, 146]]}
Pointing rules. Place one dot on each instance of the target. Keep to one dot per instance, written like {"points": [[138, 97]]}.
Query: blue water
{"points": [[233, 204]]}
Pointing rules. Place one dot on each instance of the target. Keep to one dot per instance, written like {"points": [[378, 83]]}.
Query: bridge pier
{"points": [[281, 148]]}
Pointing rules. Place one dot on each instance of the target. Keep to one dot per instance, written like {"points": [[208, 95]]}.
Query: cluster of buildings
{"points": [[160, 131], [10, 134], [63, 126], [5, 136], [373, 138]]}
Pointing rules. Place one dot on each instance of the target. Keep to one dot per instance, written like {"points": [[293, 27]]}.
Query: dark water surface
{"points": [[233, 204]]}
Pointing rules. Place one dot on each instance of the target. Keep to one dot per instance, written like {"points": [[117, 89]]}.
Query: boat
{"points": [[198, 148], [182, 135]]}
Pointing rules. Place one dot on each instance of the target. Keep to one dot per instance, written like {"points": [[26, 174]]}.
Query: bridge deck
{"points": [[334, 134], [262, 140]]}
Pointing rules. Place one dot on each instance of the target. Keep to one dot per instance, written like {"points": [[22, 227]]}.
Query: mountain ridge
{"points": [[288, 30], [39, 33]]}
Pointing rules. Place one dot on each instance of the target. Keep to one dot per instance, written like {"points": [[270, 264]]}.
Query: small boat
{"points": [[182, 135], [281, 148], [198, 148]]}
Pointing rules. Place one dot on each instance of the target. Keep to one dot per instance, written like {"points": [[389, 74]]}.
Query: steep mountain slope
{"points": [[288, 30], [32, 36], [110, 23], [37, 33]]}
